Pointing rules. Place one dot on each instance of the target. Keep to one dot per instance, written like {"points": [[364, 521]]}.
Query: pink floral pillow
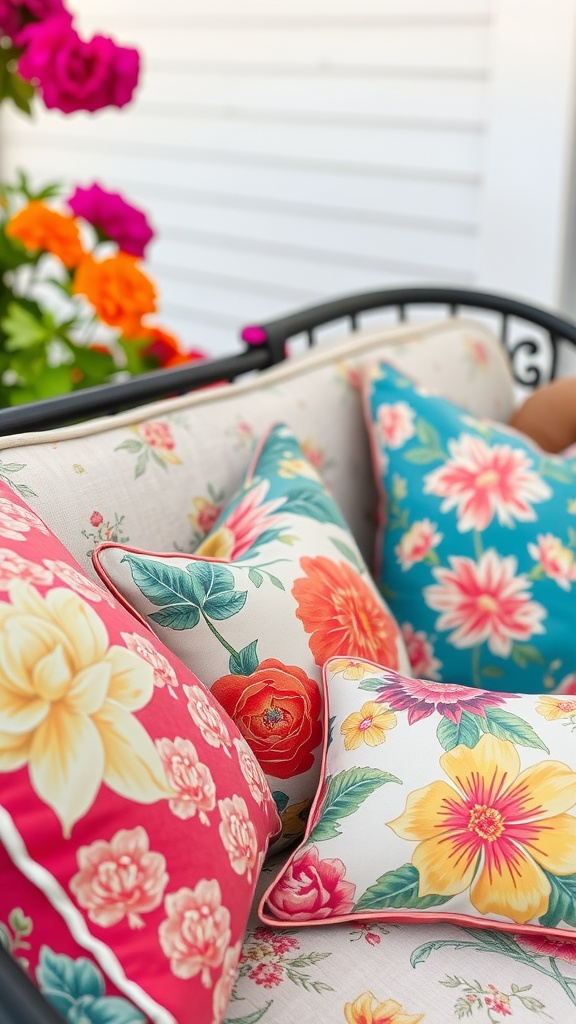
{"points": [[129, 802], [479, 828]]}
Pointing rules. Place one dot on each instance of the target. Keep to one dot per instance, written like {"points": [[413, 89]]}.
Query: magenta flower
{"points": [[421, 697], [15, 14], [72, 74], [113, 218]]}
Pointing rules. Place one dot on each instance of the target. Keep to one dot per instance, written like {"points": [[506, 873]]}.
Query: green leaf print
{"points": [[428, 435], [346, 791], [313, 503], [349, 554], [506, 726], [245, 662], [185, 594], [562, 903], [250, 1018], [467, 732], [422, 456], [372, 685], [398, 890], [524, 655]]}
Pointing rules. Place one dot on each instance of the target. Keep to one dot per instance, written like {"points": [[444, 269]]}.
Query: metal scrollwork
{"points": [[533, 360]]}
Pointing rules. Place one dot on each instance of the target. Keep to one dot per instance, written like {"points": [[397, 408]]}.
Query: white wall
{"points": [[290, 150]]}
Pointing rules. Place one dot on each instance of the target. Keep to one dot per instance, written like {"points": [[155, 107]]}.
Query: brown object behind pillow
{"points": [[549, 415]]}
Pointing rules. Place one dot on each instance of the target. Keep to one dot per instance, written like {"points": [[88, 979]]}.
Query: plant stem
{"points": [[478, 550], [562, 981], [218, 635], [476, 667]]}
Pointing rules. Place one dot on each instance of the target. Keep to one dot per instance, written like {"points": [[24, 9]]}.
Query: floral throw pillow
{"points": [[276, 588], [478, 829], [477, 551], [133, 817]]}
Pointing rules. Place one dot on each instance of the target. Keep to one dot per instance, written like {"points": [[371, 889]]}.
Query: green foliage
{"points": [[344, 795], [398, 890]]}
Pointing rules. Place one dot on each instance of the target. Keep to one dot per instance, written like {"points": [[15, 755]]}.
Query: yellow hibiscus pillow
{"points": [[437, 802]]}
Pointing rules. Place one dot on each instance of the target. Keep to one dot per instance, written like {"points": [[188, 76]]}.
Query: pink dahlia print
{"points": [[481, 481], [164, 674], [207, 719], [196, 932], [417, 543], [421, 697], [119, 879], [16, 520], [396, 424], [484, 602], [189, 778], [556, 560], [312, 888], [420, 652], [252, 772], [78, 582], [244, 526], [225, 984], [238, 835], [14, 567]]}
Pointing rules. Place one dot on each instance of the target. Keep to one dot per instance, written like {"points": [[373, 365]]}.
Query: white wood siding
{"points": [[289, 150]]}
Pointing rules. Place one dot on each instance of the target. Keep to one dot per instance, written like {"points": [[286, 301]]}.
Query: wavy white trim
{"points": [[55, 894]]}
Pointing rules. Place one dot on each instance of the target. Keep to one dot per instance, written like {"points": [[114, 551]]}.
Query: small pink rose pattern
{"points": [[478, 548], [105, 530], [16, 521], [153, 443], [208, 721], [118, 879], [252, 772], [238, 836], [490, 1003], [164, 674], [193, 785], [270, 958], [14, 567], [196, 932], [78, 582]]}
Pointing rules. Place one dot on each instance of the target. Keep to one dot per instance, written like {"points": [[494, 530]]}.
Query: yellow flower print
{"points": [[294, 819], [369, 725], [288, 469], [351, 668], [495, 832], [553, 708], [66, 703], [572, 506], [367, 1010]]}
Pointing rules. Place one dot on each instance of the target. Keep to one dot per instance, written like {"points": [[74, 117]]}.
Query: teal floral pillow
{"points": [[276, 588], [476, 554]]}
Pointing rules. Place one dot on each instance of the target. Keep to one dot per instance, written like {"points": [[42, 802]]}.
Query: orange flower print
{"points": [[343, 614], [369, 725], [119, 291], [494, 830], [41, 229], [367, 1010]]}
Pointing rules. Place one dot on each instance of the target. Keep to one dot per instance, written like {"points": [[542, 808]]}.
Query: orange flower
{"points": [[343, 614], [119, 291], [165, 349], [39, 228]]}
